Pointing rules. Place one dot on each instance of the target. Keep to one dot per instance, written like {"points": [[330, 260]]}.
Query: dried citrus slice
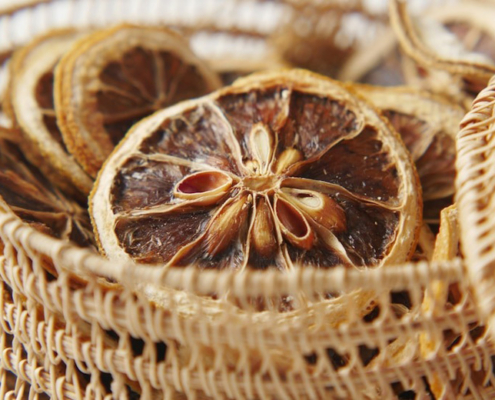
{"points": [[428, 125], [457, 39], [283, 169], [111, 79], [26, 193], [30, 95], [440, 297]]}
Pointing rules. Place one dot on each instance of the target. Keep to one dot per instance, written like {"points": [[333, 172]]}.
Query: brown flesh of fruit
{"points": [[141, 82], [324, 191], [31, 197], [364, 153], [204, 137], [433, 152], [44, 98]]}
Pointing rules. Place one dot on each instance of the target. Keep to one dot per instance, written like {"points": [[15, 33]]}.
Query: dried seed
{"points": [[288, 158], [206, 186], [261, 142], [263, 233], [321, 208], [293, 224], [226, 224]]}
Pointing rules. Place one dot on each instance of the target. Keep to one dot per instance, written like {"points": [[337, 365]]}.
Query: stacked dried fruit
{"points": [[282, 169], [73, 95]]}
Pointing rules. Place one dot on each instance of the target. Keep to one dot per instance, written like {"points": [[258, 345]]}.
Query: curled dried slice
{"points": [[308, 173], [438, 294], [111, 79], [428, 125], [457, 40], [30, 100], [25, 192]]}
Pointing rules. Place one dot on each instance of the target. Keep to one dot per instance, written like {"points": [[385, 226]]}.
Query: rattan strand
{"points": [[88, 306], [475, 189], [60, 346], [253, 283], [25, 283]]}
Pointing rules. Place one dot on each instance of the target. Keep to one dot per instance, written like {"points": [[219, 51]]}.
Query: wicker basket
{"points": [[99, 340]]}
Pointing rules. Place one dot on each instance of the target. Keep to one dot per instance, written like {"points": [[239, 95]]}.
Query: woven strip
{"points": [[225, 29], [251, 283], [475, 191], [69, 347], [42, 379], [159, 324], [8, 9], [112, 313]]}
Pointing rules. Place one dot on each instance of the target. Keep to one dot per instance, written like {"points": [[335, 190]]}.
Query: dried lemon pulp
{"points": [[282, 169], [28, 194], [112, 78], [29, 104], [427, 124]]}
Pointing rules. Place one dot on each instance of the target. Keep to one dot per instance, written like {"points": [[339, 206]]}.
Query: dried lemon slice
{"points": [[456, 40], [111, 79], [26, 193], [427, 124], [282, 169], [30, 100]]}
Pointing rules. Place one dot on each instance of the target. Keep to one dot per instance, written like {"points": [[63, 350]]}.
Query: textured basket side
{"points": [[230, 34], [61, 346], [38, 371], [215, 347], [475, 197]]}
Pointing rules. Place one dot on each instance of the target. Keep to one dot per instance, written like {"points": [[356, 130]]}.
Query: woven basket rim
{"points": [[84, 262]]}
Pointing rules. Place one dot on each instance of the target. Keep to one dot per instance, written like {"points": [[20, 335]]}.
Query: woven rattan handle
{"points": [[476, 198]]}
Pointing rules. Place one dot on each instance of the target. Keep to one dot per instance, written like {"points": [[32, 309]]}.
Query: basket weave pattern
{"points": [[61, 336], [89, 338], [476, 185]]}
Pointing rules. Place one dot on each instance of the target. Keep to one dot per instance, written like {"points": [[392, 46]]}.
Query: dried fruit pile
{"points": [[282, 169]]}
